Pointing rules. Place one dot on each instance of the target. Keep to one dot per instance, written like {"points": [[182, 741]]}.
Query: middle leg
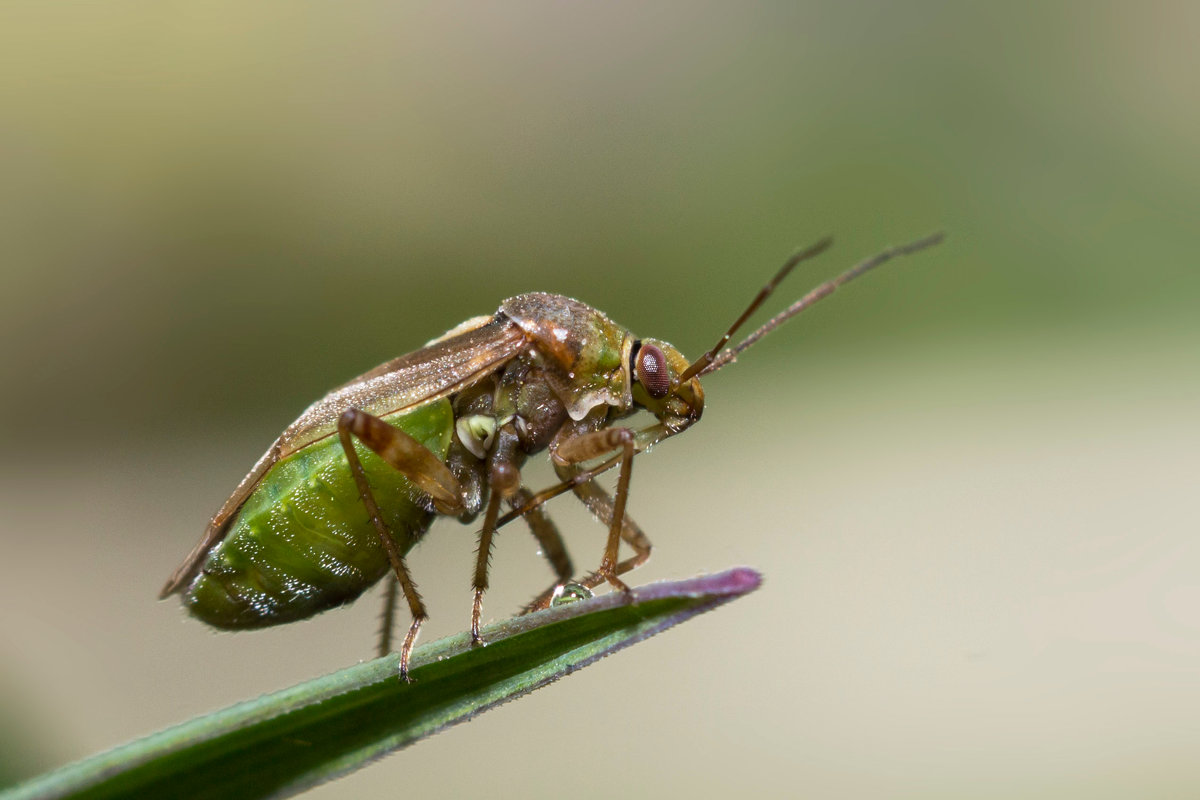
{"points": [[600, 503], [504, 481], [549, 540]]}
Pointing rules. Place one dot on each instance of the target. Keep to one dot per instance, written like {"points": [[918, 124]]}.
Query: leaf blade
{"points": [[285, 742]]}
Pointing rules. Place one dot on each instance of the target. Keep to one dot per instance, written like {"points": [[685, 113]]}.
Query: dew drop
{"points": [[570, 592]]}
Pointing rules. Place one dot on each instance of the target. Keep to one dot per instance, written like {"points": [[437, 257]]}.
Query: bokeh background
{"points": [[970, 479]]}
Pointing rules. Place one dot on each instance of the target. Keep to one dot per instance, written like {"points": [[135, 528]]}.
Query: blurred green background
{"points": [[970, 478]]}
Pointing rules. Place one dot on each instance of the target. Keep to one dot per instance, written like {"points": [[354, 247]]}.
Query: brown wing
{"points": [[442, 368]]}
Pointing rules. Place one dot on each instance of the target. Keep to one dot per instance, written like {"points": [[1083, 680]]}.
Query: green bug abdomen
{"points": [[303, 543]]}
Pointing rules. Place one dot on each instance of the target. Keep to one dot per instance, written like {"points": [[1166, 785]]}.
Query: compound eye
{"points": [[652, 372]]}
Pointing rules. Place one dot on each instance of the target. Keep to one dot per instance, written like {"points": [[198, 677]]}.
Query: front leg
{"points": [[580, 447]]}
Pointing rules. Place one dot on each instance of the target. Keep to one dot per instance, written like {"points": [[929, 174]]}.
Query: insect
{"points": [[348, 488]]}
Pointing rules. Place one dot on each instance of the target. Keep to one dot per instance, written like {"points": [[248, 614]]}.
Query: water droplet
{"points": [[569, 593]]}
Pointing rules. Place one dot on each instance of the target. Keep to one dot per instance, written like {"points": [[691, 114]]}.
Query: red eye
{"points": [[652, 371]]}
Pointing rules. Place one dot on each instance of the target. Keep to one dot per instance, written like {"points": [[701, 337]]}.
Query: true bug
{"points": [[350, 486]]}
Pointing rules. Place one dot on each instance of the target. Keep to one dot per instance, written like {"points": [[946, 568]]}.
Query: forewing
{"points": [[442, 368]]}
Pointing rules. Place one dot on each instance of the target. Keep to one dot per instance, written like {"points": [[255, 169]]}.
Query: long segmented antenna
{"points": [[698, 366], [714, 363]]}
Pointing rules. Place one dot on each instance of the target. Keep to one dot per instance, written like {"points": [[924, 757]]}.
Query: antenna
{"points": [[698, 366], [711, 362]]}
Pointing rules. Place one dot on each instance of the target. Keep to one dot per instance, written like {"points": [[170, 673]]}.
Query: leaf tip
{"points": [[740, 580], [728, 584]]}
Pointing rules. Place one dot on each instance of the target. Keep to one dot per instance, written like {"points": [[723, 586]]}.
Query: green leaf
{"points": [[285, 742]]}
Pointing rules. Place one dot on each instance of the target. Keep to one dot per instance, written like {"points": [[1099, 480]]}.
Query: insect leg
{"points": [[411, 458], [387, 620], [643, 439], [551, 542], [405, 454], [562, 487], [584, 447], [504, 480], [600, 503]]}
